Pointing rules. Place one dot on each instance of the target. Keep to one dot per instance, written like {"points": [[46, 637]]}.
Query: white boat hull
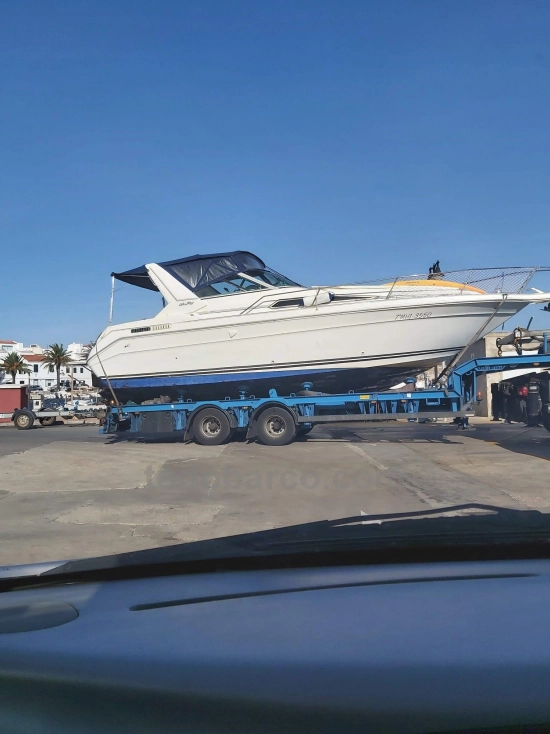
{"points": [[362, 345]]}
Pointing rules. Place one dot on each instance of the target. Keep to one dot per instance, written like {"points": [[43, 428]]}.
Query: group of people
{"points": [[504, 403]]}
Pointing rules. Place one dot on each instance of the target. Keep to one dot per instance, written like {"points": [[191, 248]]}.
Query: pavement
{"points": [[68, 492]]}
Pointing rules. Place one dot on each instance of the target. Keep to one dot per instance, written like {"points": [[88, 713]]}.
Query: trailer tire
{"points": [[211, 427], [545, 413], [48, 421], [275, 427], [24, 420]]}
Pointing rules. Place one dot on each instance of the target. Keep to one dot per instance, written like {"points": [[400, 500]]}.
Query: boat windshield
{"points": [[240, 283], [271, 278], [237, 284]]}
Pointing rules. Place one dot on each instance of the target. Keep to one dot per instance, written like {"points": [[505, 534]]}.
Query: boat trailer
{"points": [[277, 420], [48, 411]]}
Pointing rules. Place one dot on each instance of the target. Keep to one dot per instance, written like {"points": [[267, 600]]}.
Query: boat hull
{"points": [[337, 349], [216, 386]]}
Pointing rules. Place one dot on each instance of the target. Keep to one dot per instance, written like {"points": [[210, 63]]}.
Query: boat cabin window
{"points": [[288, 303]]}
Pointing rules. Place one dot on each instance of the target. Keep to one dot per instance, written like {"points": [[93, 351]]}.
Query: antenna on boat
{"points": [[112, 299], [435, 271]]}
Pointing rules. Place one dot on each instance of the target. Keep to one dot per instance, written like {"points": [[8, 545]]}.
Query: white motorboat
{"points": [[232, 324]]}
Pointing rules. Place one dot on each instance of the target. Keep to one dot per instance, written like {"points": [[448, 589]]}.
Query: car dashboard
{"points": [[422, 647]]}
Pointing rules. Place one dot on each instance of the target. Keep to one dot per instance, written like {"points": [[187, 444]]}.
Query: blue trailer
{"points": [[276, 420]]}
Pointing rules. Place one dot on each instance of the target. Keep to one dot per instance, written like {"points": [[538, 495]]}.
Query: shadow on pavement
{"points": [[530, 441], [397, 433], [156, 438], [516, 437]]}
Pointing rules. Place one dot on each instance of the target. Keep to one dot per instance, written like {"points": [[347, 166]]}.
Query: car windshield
{"points": [[162, 385]]}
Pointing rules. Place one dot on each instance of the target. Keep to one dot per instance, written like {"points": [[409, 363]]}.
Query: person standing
{"points": [[496, 402]]}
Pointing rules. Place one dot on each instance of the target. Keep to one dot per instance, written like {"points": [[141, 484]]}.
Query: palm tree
{"points": [[13, 364], [87, 348], [56, 357]]}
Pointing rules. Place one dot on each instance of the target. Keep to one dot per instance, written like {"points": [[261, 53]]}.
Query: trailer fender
{"points": [[255, 414], [231, 417]]}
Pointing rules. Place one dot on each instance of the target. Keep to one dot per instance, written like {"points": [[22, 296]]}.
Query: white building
{"points": [[6, 345], [39, 372], [42, 376], [79, 372], [78, 368], [76, 350], [32, 349]]}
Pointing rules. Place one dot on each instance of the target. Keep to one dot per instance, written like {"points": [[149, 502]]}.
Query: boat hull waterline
{"points": [[258, 384]]}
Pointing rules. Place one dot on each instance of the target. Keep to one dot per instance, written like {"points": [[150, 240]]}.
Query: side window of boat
{"points": [[288, 303]]}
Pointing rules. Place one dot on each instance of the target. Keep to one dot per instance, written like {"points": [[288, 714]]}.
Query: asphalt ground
{"points": [[68, 492]]}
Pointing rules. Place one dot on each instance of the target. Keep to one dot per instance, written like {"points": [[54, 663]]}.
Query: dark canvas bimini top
{"points": [[198, 271]]}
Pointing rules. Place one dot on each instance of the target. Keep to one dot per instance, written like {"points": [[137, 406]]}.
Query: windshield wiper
{"points": [[472, 531]]}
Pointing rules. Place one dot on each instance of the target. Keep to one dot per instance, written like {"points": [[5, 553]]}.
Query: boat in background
{"points": [[233, 325]]}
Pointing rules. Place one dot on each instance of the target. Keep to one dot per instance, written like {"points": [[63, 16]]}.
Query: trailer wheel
{"points": [[545, 413], [48, 421], [275, 427], [24, 420], [211, 427]]}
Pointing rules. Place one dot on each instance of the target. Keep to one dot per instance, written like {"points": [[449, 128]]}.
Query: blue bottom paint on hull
{"points": [[218, 387]]}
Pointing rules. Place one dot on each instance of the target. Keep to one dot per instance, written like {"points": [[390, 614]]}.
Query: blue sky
{"points": [[339, 140]]}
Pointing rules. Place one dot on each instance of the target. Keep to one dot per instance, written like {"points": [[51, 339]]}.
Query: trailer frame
{"points": [[25, 418], [277, 420]]}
